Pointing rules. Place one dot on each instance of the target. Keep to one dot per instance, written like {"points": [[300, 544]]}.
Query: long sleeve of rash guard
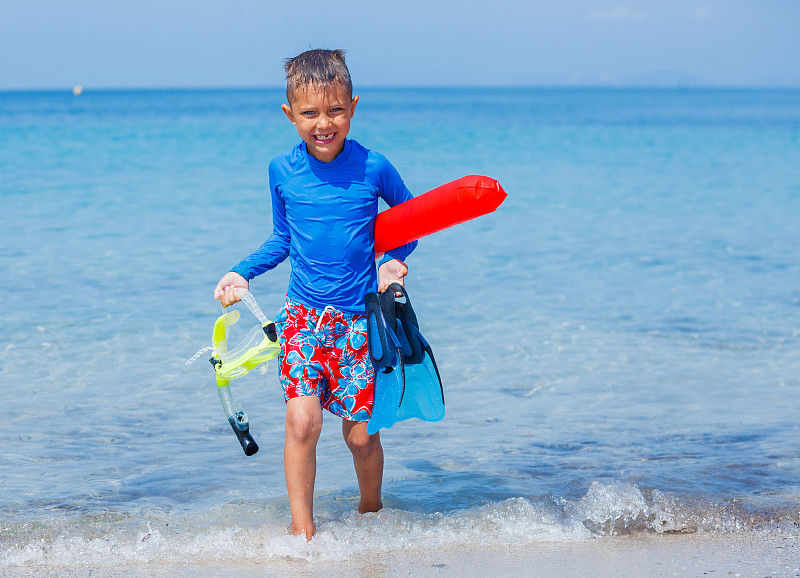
{"points": [[274, 250]]}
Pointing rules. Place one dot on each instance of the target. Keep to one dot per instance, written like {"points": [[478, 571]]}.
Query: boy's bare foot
{"points": [[366, 506], [308, 531]]}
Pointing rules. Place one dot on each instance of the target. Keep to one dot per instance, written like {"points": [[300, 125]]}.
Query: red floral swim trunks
{"points": [[324, 353]]}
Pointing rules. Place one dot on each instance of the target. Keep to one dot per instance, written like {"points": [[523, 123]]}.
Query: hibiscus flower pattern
{"points": [[324, 353]]}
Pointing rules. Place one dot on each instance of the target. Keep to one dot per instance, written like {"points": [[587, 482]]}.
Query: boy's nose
{"points": [[324, 120]]}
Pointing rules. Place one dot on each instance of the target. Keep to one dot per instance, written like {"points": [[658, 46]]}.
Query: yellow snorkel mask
{"points": [[259, 346]]}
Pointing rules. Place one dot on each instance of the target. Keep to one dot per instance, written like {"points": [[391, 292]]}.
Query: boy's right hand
{"points": [[225, 290], [391, 272]]}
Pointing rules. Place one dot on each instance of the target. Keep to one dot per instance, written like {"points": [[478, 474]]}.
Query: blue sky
{"points": [[202, 43]]}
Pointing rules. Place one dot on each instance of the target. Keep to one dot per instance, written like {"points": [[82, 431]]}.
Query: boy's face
{"points": [[322, 117]]}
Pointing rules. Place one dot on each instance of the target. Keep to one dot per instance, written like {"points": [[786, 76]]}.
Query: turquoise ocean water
{"points": [[619, 342]]}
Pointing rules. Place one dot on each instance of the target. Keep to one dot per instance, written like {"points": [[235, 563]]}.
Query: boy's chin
{"points": [[325, 152]]}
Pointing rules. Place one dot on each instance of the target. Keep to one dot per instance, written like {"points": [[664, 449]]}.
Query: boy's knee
{"points": [[303, 426], [361, 444]]}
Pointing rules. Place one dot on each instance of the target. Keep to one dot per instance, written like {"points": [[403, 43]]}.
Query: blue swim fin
{"points": [[407, 381]]}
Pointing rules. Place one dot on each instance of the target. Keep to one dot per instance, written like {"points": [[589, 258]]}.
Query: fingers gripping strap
{"points": [[402, 320]]}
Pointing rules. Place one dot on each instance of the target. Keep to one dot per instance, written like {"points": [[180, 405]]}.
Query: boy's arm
{"points": [[394, 191], [272, 252]]}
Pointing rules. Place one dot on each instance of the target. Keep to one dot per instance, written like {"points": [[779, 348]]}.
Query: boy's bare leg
{"points": [[368, 460], [303, 426]]}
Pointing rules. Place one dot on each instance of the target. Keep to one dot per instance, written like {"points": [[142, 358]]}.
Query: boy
{"points": [[324, 203]]}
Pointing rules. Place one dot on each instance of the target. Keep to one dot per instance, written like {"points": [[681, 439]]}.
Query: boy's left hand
{"points": [[391, 272]]}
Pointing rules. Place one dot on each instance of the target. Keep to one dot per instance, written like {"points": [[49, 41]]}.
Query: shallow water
{"points": [[619, 341]]}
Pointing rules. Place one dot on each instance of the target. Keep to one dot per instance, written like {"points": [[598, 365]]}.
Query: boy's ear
{"points": [[287, 110], [353, 103]]}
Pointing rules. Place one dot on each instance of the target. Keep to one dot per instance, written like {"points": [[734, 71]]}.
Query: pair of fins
{"points": [[407, 381]]}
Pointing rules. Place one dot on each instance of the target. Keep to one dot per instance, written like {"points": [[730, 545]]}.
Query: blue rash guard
{"points": [[323, 219]]}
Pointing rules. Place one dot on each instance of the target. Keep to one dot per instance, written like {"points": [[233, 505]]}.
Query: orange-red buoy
{"points": [[440, 208]]}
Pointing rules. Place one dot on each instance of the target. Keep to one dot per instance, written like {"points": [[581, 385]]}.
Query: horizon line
{"points": [[603, 86]]}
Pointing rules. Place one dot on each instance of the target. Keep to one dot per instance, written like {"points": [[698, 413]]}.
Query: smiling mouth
{"points": [[324, 138]]}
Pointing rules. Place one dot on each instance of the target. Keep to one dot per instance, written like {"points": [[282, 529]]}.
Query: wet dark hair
{"points": [[318, 67]]}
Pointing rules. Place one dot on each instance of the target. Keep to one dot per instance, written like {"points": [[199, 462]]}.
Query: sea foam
{"points": [[606, 509]]}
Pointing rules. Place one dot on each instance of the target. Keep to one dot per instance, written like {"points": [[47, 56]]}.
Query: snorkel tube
{"points": [[260, 345]]}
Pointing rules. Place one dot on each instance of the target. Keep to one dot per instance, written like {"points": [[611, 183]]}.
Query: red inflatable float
{"points": [[440, 208]]}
